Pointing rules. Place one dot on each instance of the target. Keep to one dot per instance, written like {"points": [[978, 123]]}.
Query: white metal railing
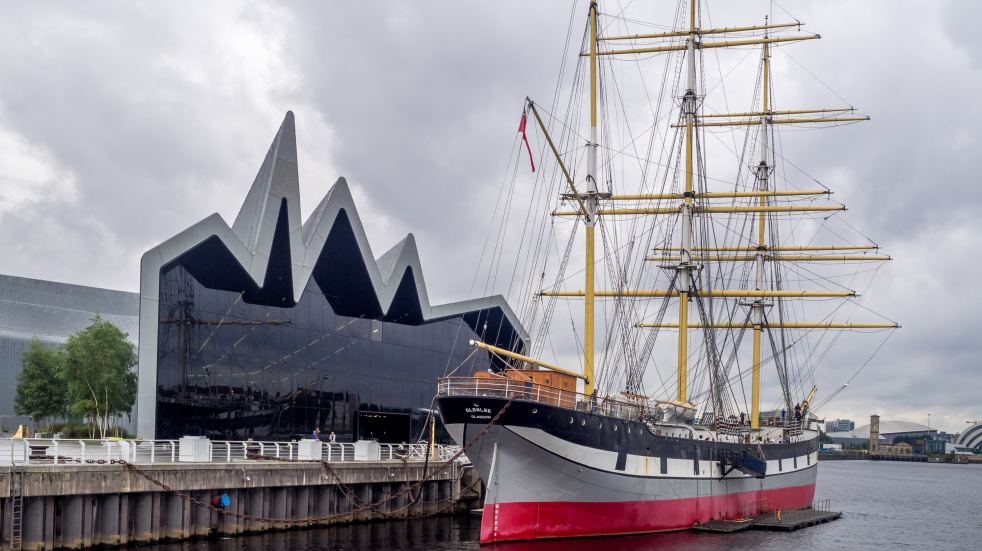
{"points": [[63, 451], [500, 387]]}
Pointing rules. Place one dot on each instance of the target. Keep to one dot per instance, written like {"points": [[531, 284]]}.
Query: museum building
{"points": [[271, 328]]}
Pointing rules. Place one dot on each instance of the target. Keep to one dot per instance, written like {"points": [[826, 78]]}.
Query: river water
{"points": [[886, 505]]}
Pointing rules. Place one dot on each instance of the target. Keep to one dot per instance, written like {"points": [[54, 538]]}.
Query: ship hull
{"points": [[555, 473]]}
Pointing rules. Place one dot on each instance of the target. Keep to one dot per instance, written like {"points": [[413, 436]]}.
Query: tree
{"points": [[98, 370], [41, 391]]}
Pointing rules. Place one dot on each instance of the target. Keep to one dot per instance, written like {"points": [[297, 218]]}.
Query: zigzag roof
{"points": [[250, 238]]}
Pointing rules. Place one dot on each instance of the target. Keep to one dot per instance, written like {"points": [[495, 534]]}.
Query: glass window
{"points": [[229, 368]]}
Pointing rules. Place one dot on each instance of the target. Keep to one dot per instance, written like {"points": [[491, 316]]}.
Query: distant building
{"points": [[890, 432], [50, 311], [874, 434], [971, 437], [900, 448], [938, 446], [958, 450], [840, 425]]}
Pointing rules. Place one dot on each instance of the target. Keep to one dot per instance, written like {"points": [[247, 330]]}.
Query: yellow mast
{"points": [[589, 218], [685, 264], [759, 252], [763, 171]]}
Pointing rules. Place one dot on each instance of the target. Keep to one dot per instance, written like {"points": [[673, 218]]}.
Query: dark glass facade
{"points": [[236, 361]]}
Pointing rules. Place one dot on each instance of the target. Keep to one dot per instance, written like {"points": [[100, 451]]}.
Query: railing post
{"points": [[173, 451], [82, 442], [54, 444]]}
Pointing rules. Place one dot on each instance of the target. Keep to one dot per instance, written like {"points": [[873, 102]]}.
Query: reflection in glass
{"points": [[232, 365]]}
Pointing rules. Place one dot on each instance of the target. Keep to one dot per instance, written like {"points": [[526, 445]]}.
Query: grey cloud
{"points": [[162, 116]]}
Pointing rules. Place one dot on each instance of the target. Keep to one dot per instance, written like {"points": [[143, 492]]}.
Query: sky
{"points": [[123, 123]]}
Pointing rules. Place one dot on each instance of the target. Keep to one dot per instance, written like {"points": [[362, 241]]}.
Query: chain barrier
{"points": [[345, 489]]}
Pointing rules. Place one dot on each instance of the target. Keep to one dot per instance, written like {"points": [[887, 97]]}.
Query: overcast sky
{"points": [[120, 125]]}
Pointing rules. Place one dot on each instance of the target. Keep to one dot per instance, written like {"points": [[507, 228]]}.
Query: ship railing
{"points": [[526, 390], [762, 505], [72, 451]]}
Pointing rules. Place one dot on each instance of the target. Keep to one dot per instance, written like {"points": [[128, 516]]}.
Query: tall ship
{"points": [[661, 426]]}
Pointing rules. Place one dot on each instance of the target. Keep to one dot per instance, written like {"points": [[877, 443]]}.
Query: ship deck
{"points": [[770, 431]]}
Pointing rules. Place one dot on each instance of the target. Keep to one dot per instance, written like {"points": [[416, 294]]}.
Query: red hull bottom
{"points": [[530, 520]]}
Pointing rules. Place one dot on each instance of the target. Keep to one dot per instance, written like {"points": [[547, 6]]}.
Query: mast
{"points": [[685, 261], [589, 216], [757, 308], [687, 258]]}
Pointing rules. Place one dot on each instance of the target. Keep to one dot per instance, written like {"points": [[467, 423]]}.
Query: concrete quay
{"points": [[79, 506]]}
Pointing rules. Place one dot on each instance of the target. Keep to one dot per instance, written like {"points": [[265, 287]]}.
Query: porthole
{"points": [[583, 422], [615, 428], [535, 410], [570, 420]]}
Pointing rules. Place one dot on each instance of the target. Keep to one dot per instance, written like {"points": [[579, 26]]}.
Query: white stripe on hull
{"points": [[532, 465]]}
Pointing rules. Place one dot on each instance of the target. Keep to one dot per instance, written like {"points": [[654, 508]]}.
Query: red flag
{"points": [[525, 138]]}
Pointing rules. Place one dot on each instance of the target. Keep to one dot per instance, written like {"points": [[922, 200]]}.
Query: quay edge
{"points": [[76, 507]]}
